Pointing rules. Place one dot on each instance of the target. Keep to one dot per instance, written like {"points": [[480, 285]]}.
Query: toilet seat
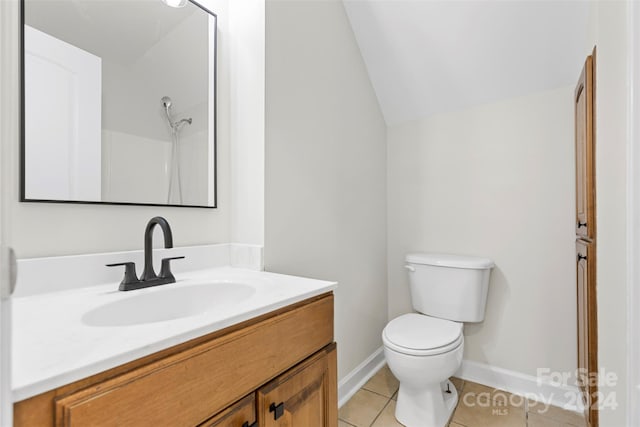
{"points": [[421, 335]]}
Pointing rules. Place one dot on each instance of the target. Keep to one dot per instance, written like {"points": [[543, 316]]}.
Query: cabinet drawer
{"points": [[189, 387], [236, 415]]}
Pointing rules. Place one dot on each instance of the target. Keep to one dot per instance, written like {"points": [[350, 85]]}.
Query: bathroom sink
{"points": [[167, 303]]}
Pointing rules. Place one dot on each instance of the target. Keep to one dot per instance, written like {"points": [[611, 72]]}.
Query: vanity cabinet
{"points": [[227, 378]]}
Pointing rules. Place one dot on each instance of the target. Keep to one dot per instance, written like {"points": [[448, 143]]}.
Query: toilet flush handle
{"points": [[410, 268]]}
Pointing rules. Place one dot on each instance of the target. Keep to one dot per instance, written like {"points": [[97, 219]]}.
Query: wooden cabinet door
{"points": [[587, 330], [240, 414], [584, 134], [305, 396]]}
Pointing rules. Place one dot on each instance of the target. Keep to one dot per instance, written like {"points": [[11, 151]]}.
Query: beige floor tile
{"points": [[480, 411], [553, 412], [479, 391], [362, 408], [452, 424], [535, 420], [342, 423], [387, 417], [458, 383], [383, 382]]}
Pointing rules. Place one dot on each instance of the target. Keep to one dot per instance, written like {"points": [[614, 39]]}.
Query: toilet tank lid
{"points": [[449, 260]]}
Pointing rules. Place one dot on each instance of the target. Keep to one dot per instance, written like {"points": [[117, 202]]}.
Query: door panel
{"points": [[587, 327], [584, 134], [304, 396]]}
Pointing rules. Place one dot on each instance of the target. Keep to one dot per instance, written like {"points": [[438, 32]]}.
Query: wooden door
{"points": [[587, 330], [306, 396], [584, 134], [240, 414], [586, 234]]}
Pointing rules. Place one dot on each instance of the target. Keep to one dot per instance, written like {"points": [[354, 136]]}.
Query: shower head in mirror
{"points": [[166, 102]]}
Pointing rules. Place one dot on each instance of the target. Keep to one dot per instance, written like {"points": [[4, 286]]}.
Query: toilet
{"points": [[424, 349]]}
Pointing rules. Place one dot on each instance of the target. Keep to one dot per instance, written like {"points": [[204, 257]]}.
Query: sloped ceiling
{"points": [[118, 30], [426, 57]]}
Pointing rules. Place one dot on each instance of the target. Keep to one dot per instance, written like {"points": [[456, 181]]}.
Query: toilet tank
{"points": [[452, 287]]}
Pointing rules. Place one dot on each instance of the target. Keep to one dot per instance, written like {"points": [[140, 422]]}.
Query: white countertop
{"points": [[53, 347]]}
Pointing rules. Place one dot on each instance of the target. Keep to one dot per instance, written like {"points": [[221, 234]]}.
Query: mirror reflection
{"points": [[119, 102]]}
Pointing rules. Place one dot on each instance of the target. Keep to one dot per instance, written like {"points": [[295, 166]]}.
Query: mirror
{"points": [[118, 102]]}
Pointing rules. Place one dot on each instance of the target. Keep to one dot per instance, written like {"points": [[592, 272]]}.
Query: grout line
{"points": [[380, 394], [379, 413], [346, 422]]}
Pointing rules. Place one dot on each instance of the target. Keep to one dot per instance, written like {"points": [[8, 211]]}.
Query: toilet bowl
{"points": [[424, 349], [423, 352]]}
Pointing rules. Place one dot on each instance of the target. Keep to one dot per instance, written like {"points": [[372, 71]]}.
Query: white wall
{"points": [[325, 168], [608, 30], [58, 229], [247, 120], [496, 181], [633, 226]]}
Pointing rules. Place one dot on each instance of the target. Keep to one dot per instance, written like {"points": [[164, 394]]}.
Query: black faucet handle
{"points": [[130, 275], [165, 270]]}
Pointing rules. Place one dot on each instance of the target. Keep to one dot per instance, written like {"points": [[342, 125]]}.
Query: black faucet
{"points": [[149, 277]]}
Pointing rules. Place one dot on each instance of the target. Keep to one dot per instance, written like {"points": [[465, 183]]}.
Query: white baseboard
{"points": [[565, 397], [355, 379], [529, 386]]}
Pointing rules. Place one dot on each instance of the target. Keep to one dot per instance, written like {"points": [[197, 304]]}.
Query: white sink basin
{"points": [[167, 303]]}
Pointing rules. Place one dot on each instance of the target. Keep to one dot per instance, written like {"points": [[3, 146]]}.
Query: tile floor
{"points": [[375, 403]]}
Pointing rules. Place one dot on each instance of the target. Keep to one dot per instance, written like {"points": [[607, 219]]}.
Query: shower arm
{"points": [[166, 112]]}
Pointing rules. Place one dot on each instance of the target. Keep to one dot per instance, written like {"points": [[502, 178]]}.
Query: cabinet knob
{"points": [[246, 424], [278, 410]]}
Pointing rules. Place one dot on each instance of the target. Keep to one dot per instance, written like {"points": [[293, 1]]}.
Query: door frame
{"points": [[633, 214], [9, 143]]}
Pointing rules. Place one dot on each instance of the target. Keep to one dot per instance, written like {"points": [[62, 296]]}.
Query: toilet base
{"points": [[428, 407]]}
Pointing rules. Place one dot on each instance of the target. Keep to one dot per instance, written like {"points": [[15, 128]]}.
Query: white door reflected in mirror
{"points": [[63, 89]]}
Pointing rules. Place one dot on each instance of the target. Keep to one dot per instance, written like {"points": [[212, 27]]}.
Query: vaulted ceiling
{"points": [[118, 31], [426, 57]]}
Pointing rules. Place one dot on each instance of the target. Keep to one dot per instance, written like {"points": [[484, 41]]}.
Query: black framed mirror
{"points": [[118, 102]]}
